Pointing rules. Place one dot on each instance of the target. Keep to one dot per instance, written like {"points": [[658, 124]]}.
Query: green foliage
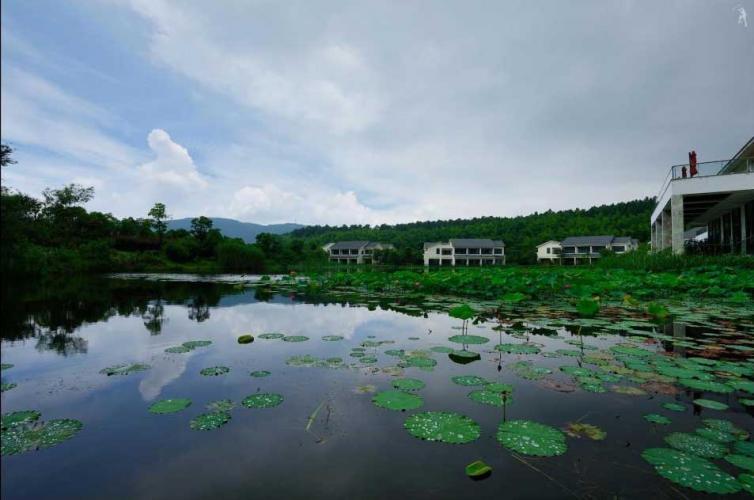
{"points": [[169, 406], [442, 426], [397, 400], [478, 469], [690, 471], [587, 308], [531, 438]]}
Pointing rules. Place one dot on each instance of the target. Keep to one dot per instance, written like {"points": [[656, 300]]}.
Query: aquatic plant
{"points": [[579, 429], [222, 405], [193, 344], [262, 400], [468, 339], [691, 471], [125, 369], [490, 398], [214, 371], [656, 418], [271, 336], [178, 349], [295, 338], [674, 406], [518, 348], [710, 404], [478, 470], [28, 434], [7, 386], [6, 366], [332, 338], [365, 389], [527, 370], [209, 421], [169, 406], [469, 380], [408, 384], [397, 400], [587, 307], [445, 427], [531, 438], [245, 339], [19, 417], [692, 443], [260, 373]]}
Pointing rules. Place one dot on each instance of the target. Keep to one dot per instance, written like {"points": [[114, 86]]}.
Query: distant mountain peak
{"points": [[233, 228]]}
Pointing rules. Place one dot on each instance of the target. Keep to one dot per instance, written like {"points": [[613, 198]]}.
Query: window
{"points": [[583, 249], [498, 251], [548, 249], [474, 251], [335, 252], [619, 248], [447, 251], [355, 251], [437, 251], [556, 250], [486, 251], [597, 248], [460, 251], [569, 249]]}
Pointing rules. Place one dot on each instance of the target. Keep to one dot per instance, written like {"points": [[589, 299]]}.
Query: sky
{"points": [[323, 112]]}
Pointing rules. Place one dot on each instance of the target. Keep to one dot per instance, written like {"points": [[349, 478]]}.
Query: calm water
{"points": [[59, 338]]}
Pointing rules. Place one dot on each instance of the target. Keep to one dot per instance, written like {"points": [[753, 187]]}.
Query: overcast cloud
{"points": [[370, 112]]}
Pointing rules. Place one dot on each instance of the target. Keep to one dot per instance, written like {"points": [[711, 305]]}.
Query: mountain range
{"points": [[232, 228]]}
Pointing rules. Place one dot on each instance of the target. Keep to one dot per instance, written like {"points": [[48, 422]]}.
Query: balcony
{"points": [[707, 169]]}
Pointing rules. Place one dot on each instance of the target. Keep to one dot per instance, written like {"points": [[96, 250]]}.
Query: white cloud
{"points": [[173, 164]]}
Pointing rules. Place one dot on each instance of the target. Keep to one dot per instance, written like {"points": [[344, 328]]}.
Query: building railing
{"points": [[707, 169]]}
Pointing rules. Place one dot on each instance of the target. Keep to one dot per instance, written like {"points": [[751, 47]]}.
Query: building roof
{"points": [[587, 241], [622, 240], [476, 243], [349, 245], [548, 242], [428, 244], [378, 244]]}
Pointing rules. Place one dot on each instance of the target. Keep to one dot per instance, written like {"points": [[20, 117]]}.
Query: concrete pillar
{"points": [[653, 237], [677, 225], [665, 240], [743, 229]]}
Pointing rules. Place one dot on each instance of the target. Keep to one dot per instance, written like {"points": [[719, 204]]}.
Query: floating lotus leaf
{"points": [[513, 298], [193, 344], [587, 308], [744, 447], [741, 461], [222, 405], [214, 371], [674, 406], [518, 348], [210, 421], [369, 360], [629, 390], [706, 385], [468, 339], [365, 389], [397, 400], [371, 343], [747, 482], [260, 373], [169, 406], [710, 404], [301, 360], [742, 385], [656, 418], [596, 388], [396, 352], [419, 361], [463, 312], [527, 370], [442, 426], [34, 435], [464, 357], [357, 354], [576, 371], [478, 470], [531, 438], [19, 417], [569, 352], [630, 350], [6, 386], [490, 398], [6, 366], [408, 384], [716, 435], [577, 429], [441, 349], [295, 338], [332, 338], [245, 339], [692, 443], [691, 471], [262, 400], [271, 336], [469, 380], [746, 401], [125, 369], [498, 387], [179, 349]]}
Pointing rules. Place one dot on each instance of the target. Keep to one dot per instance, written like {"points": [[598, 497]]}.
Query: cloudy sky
{"points": [[315, 111]]}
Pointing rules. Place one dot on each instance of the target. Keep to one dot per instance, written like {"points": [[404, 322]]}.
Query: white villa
{"points": [[719, 198], [354, 252], [464, 252], [583, 249]]}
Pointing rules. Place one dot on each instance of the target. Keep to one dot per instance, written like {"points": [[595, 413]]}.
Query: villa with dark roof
{"points": [[464, 252], [354, 252], [583, 249]]}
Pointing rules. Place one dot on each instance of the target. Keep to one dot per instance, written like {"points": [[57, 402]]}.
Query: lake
{"points": [[309, 427]]}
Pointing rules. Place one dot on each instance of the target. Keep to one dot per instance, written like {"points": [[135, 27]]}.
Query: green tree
{"points": [[6, 153], [200, 227], [159, 215]]}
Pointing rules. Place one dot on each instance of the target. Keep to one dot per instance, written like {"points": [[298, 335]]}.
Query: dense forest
{"points": [[521, 234], [55, 234]]}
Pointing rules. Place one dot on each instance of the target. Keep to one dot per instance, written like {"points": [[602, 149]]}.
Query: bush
{"points": [[181, 250], [236, 256]]}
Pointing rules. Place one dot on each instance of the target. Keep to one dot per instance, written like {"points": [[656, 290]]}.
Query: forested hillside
{"points": [[521, 234]]}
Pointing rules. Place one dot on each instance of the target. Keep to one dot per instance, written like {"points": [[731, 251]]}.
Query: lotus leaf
{"points": [[395, 352], [478, 470], [518, 348], [442, 426], [691, 471], [6, 366], [179, 349], [741, 461], [408, 384], [578, 429], [531, 438], [468, 339], [468, 380], [706, 385], [419, 361], [221, 405], [169, 406], [629, 390], [209, 421], [498, 387], [295, 338], [271, 336], [262, 400], [35, 435], [193, 344], [125, 369], [747, 482], [498, 399], [744, 447], [332, 338], [245, 339], [19, 417], [441, 349], [260, 373], [692, 443], [710, 404], [397, 400], [674, 406], [656, 418], [214, 371], [463, 312]]}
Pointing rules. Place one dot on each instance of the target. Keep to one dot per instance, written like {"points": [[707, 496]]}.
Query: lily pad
{"points": [[260, 373], [34, 435], [706, 385], [6, 386], [245, 339], [6, 366], [692, 443], [478, 470], [468, 339], [19, 417], [419, 361], [440, 349], [726, 426], [691, 471], [214, 371], [710, 404], [741, 461], [210, 421], [468, 380], [193, 344], [518, 348], [674, 406], [125, 369], [744, 447], [179, 349], [397, 400], [332, 338], [408, 384], [628, 390], [295, 338], [169, 406], [262, 400], [271, 336], [498, 387], [578, 429], [531, 438], [498, 399], [442, 426], [656, 418]]}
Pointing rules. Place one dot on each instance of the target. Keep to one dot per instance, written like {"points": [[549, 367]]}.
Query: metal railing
{"points": [[707, 169]]}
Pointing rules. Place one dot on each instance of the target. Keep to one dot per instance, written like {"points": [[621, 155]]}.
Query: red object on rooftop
{"points": [[692, 163]]}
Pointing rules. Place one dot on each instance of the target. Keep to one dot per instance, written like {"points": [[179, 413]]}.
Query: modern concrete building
{"points": [[719, 197], [549, 251], [464, 252], [584, 249], [354, 252]]}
